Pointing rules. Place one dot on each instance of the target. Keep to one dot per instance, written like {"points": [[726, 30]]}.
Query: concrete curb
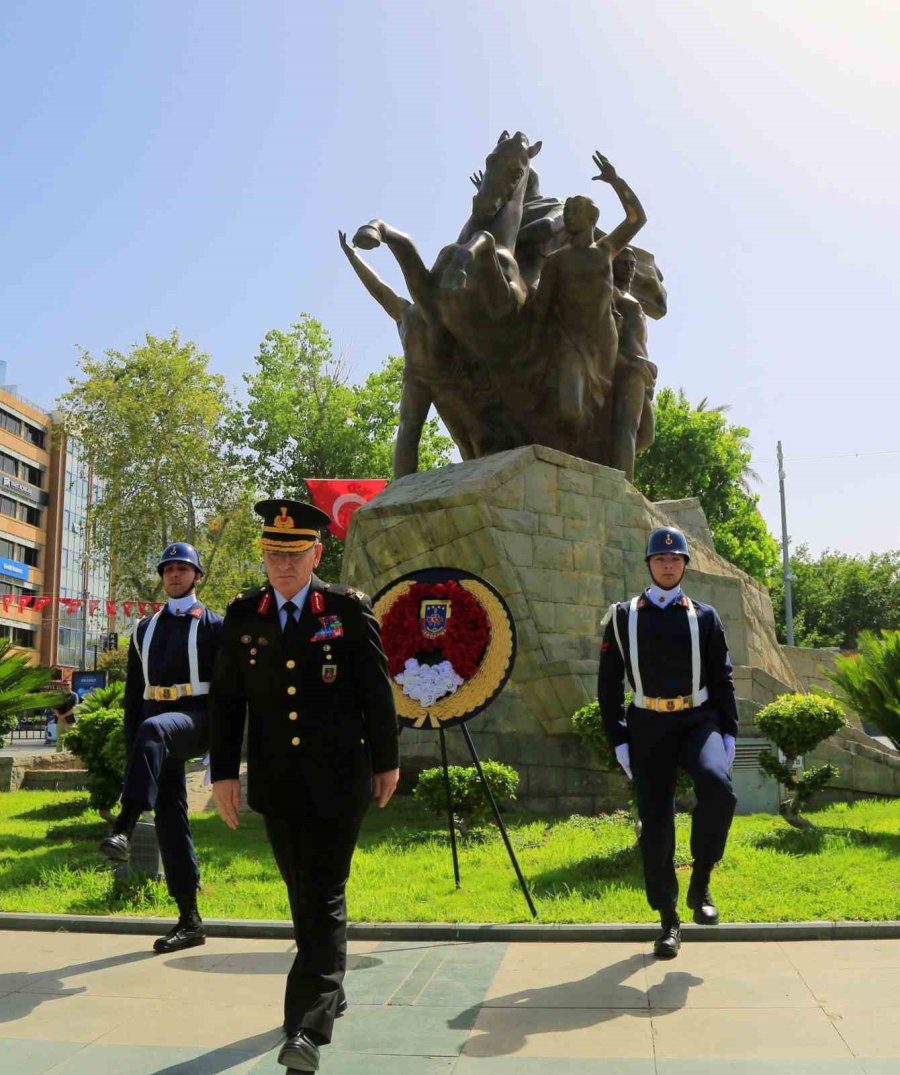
{"points": [[466, 931]]}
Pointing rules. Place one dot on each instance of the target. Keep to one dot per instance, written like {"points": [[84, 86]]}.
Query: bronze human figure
{"points": [[633, 423]]}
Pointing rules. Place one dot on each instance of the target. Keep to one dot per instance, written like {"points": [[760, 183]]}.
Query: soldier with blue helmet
{"points": [[170, 664], [683, 714]]}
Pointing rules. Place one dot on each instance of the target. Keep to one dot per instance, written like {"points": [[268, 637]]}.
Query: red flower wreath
{"points": [[462, 644]]}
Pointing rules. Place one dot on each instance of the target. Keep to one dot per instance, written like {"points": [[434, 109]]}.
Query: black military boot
{"points": [[188, 931], [698, 896], [300, 1052], [668, 942], [117, 846]]}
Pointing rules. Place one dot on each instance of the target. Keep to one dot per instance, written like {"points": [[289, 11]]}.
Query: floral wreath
{"points": [[432, 657], [450, 640]]}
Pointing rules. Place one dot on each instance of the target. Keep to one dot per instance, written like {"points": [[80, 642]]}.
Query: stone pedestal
{"points": [[561, 539]]}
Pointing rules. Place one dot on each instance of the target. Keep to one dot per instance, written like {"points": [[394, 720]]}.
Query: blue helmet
{"points": [[180, 552], [667, 539]]}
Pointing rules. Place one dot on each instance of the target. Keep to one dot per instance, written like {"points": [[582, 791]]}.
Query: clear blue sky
{"points": [[189, 164]]}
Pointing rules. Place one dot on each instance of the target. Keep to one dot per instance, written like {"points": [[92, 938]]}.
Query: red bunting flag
{"points": [[24, 601], [157, 605], [110, 608], [93, 605], [340, 497], [40, 603], [126, 608], [142, 608], [72, 604], [7, 599]]}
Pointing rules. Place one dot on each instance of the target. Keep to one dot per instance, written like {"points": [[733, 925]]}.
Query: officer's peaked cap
{"points": [[181, 552], [289, 525], [668, 539]]}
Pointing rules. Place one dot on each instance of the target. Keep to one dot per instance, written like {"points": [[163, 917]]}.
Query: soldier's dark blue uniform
{"points": [[170, 666], [682, 714], [162, 734]]}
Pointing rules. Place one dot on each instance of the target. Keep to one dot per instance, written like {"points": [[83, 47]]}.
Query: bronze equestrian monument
{"points": [[529, 336]]}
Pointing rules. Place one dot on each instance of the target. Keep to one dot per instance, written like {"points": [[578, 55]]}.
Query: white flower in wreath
{"points": [[426, 683]]}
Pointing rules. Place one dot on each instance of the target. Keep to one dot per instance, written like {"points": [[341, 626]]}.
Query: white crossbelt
{"points": [[197, 686], [698, 696]]}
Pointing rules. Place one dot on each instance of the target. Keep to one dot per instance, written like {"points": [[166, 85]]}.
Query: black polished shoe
{"points": [[181, 935], [668, 942], [299, 1053], [116, 847], [701, 903]]}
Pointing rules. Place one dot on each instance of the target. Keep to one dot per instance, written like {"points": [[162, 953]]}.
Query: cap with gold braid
{"points": [[290, 526]]}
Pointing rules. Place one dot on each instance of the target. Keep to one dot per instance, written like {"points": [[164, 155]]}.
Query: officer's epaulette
{"points": [[642, 602], [348, 591], [247, 595]]}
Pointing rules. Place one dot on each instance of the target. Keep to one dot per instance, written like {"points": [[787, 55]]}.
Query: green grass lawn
{"points": [[579, 869]]}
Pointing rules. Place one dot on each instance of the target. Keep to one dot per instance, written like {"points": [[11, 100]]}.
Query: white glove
{"points": [[623, 757], [730, 748]]}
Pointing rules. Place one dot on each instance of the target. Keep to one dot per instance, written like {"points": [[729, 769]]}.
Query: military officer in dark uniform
{"points": [[170, 664], [683, 714], [302, 661]]}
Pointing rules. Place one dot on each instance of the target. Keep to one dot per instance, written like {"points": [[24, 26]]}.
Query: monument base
{"points": [[561, 539]]}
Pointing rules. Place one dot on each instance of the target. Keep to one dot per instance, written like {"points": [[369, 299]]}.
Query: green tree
{"points": [[22, 687], [868, 682], [152, 422], [114, 662], [305, 419], [698, 453], [836, 597]]}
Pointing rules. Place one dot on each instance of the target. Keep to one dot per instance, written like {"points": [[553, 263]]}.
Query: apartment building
{"points": [[46, 488]]}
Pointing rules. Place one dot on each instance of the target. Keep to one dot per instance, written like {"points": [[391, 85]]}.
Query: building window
{"points": [[30, 515], [10, 423], [30, 556], [9, 465], [33, 474], [8, 506], [34, 435]]}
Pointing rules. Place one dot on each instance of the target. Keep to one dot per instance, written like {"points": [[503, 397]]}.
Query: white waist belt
{"points": [[697, 696], [196, 685]]}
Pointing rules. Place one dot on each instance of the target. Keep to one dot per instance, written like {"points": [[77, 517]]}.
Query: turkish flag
{"points": [[340, 497]]}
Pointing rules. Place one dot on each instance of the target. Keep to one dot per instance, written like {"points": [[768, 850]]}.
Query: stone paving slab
{"points": [[73, 1004]]}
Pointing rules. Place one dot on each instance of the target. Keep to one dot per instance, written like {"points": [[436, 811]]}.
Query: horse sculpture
{"points": [[478, 345]]}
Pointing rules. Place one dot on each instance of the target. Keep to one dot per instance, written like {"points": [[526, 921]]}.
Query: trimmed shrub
{"points": [[99, 741], [469, 801], [797, 723]]}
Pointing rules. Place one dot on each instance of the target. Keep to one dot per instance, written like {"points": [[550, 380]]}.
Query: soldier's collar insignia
{"points": [[265, 603], [316, 602]]}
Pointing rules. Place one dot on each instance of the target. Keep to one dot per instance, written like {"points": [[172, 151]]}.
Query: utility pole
{"points": [[785, 557]]}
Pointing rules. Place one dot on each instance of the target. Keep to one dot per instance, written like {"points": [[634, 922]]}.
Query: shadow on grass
{"points": [[60, 811], [814, 841], [623, 866]]}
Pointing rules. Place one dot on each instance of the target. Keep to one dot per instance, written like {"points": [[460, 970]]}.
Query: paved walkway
{"points": [[90, 1004]]}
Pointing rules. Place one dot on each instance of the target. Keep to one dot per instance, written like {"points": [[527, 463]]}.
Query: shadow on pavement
{"points": [[224, 1057], [22, 982], [545, 1004]]}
